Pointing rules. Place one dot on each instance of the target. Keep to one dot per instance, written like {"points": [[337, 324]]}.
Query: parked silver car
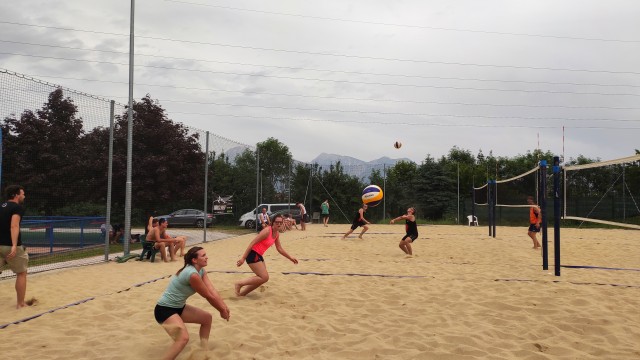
{"points": [[188, 217]]}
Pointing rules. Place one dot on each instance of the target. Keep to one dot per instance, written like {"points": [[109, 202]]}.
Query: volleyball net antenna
{"points": [[606, 192]]}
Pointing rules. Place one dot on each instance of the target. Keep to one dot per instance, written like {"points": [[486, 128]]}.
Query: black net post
{"points": [[489, 206], [473, 203], [542, 202], [494, 188], [556, 214]]}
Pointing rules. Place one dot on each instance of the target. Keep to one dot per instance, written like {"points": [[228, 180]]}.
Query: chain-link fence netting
{"points": [[55, 143], [69, 151]]}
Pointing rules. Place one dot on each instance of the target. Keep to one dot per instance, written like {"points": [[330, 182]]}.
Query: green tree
{"points": [[342, 190], [400, 188], [244, 181], [435, 189], [168, 162], [275, 158], [42, 151], [460, 164]]}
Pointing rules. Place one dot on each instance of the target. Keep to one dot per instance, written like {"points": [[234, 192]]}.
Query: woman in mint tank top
{"points": [[172, 311], [325, 212], [253, 256]]}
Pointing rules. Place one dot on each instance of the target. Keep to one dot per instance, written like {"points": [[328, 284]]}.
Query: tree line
{"points": [[63, 167]]}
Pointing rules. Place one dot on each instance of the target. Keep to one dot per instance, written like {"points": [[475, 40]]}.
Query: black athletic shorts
{"points": [[357, 223], [254, 257], [162, 313], [533, 228], [413, 237]]}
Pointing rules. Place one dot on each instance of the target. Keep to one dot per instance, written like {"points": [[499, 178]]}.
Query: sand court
{"points": [[463, 295]]}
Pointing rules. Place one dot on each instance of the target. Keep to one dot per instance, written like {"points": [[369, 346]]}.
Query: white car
{"points": [[248, 220]]}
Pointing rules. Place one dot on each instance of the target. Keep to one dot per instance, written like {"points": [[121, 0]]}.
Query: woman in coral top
{"points": [[253, 256], [535, 219]]}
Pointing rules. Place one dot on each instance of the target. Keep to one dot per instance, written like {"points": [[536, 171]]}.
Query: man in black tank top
{"points": [[411, 228], [359, 220], [11, 250]]}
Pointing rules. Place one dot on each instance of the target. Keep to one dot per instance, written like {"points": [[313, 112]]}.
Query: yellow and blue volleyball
{"points": [[372, 195]]}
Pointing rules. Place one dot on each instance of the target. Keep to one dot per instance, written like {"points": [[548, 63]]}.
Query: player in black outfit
{"points": [[11, 250], [358, 221], [411, 228]]}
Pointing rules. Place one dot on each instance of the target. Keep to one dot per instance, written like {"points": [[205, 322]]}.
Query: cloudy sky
{"points": [[353, 77]]}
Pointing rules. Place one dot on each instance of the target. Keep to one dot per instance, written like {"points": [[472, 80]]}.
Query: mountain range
{"points": [[352, 166], [356, 167]]}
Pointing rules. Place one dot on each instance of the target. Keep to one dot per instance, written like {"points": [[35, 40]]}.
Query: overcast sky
{"points": [[353, 77]]}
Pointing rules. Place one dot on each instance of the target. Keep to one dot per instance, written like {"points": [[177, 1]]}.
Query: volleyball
{"points": [[372, 195], [397, 144]]}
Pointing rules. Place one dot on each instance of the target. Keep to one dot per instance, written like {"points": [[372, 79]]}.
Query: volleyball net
{"points": [[505, 200], [481, 195], [513, 192], [606, 192]]}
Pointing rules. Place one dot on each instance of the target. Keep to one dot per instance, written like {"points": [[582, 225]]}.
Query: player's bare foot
{"points": [[237, 288]]}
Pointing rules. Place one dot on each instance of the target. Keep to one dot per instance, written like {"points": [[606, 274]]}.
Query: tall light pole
{"points": [[384, 191], [289, 192], [127, 201], [458, 218], [311, 189], [257, 183], [261, 196]]}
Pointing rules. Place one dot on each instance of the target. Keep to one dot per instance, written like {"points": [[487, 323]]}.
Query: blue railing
{"points": [[61, 232]]}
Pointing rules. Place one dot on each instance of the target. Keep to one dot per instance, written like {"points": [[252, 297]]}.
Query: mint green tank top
{"points": [[179, 288]]}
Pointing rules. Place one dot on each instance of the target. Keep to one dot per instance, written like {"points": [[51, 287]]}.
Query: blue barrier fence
{"points": [[48, 234]]}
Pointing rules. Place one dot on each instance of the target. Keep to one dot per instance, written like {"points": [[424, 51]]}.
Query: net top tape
{"points": [[613, 223], [603, 163], [518, 176]]}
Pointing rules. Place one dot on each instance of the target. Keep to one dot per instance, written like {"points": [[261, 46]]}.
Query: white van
{"points": [[248, 220]]}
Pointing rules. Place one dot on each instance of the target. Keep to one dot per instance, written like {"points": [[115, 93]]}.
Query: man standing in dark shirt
{"points": [[11, 250]]}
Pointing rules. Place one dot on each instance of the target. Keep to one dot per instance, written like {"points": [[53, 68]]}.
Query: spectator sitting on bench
{"points": [[160, 243], [180, 241], [115, 234], [289, 222]]}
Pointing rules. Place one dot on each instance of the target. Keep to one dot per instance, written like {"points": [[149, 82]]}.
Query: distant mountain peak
{"points": [[351, 166], [356, 167], [328, 159]]}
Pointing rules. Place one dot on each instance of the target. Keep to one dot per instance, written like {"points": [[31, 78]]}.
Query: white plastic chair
{"points": [[473, 220]]}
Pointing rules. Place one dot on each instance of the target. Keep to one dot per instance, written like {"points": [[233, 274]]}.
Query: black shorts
{"points": [[254, 257], [162, 313], [357, 223], [413, 237], [533, 228]]}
